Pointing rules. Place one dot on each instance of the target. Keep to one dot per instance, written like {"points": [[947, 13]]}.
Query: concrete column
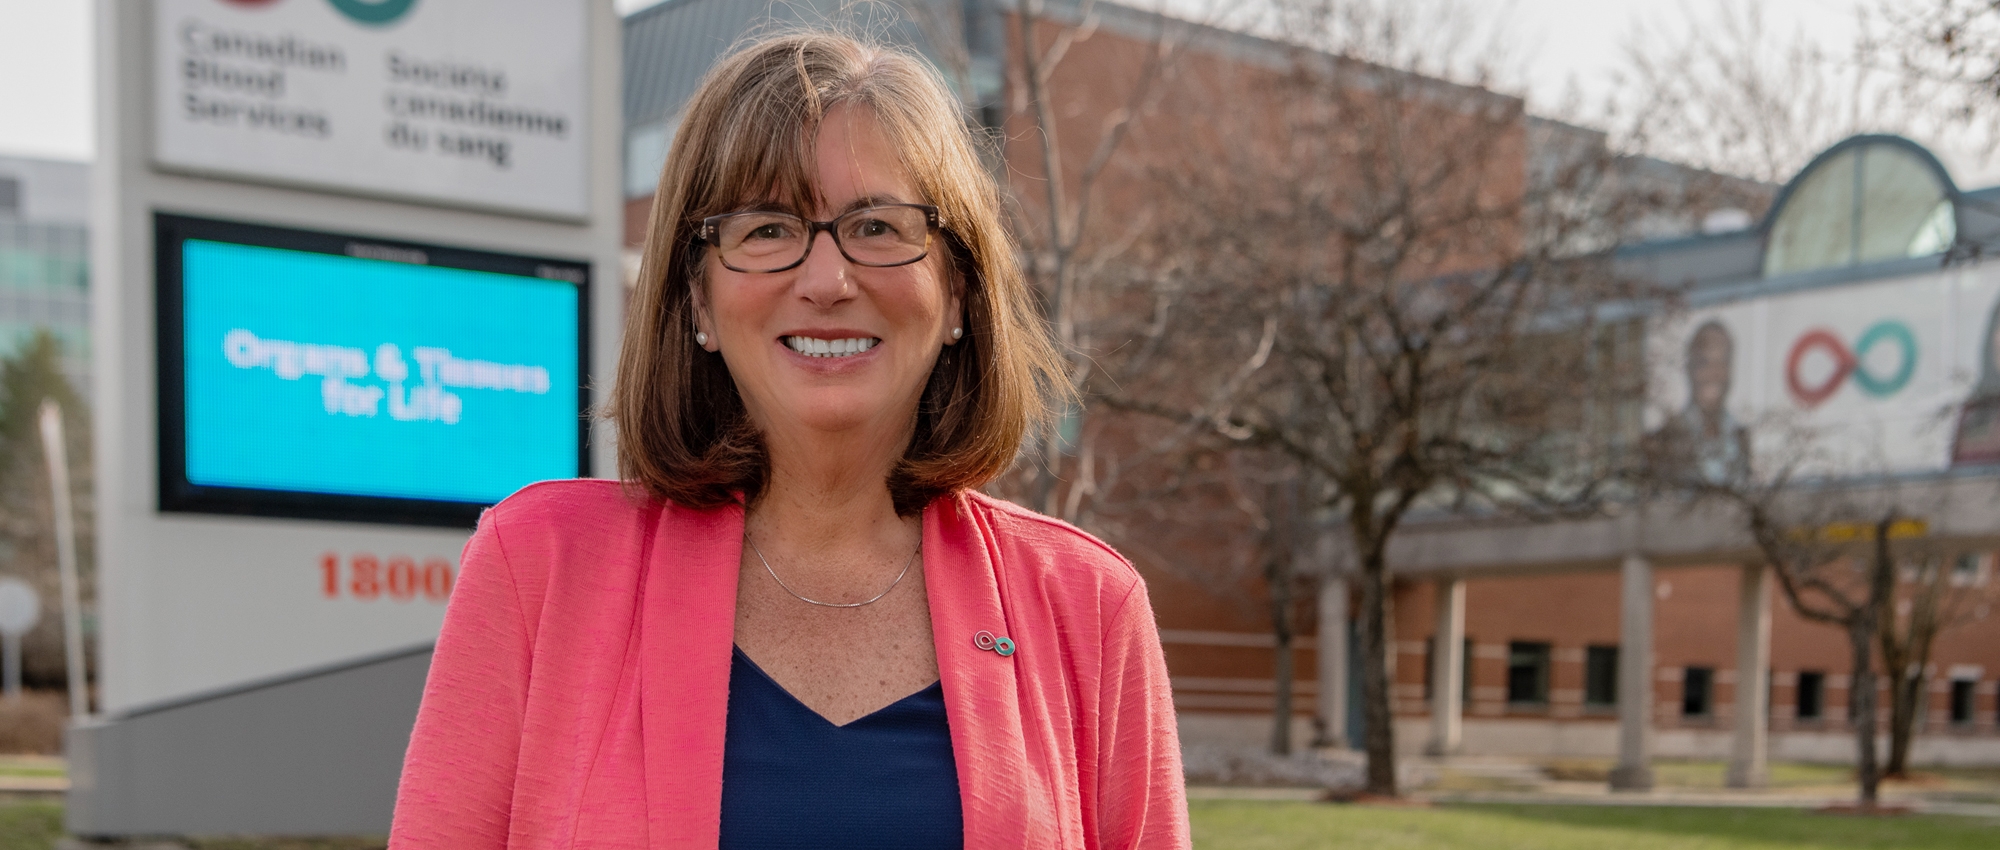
{"points": [[1635, 678], [1332, 701], [1447, 668], [1748, 748]]}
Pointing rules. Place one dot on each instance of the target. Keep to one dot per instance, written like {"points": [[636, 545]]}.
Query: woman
{"points": [[795, 623]]}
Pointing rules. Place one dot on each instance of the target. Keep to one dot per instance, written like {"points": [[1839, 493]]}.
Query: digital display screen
{"points": [[324, 376]]}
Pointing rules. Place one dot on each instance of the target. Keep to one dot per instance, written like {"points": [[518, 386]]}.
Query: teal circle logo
{"points": [[1897, 334], [374, 12]]}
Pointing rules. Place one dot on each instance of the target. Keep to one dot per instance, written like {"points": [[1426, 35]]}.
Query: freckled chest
{"points": [[843, 663]]}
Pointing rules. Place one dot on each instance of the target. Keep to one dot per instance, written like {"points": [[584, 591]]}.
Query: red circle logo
{"points": [[1843, 365]]}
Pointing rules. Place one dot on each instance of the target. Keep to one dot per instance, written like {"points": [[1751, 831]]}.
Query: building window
{"points": [[1812, 695], [1961, 701], [1464, 671], [1527, 673], [1965, 570], [1698, 692], [1861, 204], [10, 196], [1600, 676]]}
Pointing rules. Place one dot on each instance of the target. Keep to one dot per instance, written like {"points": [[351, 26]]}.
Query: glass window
{"points": [[1961, 700], [1811, 695], [1815, 229], [1600, 676], [1698, 692], [1904, 212], [645, 154], [1528, 673], [1965, 570], [1866, 204]]}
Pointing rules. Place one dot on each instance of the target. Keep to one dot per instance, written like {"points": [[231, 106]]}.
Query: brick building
{"points": [[1543, 619]]}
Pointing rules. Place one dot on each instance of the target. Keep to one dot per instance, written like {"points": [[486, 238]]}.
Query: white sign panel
{"points": [[1879, 377], [469, 102], [20, 608]]}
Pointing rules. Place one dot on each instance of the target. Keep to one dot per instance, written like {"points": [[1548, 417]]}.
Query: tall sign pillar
{"points": [[355, 277]]}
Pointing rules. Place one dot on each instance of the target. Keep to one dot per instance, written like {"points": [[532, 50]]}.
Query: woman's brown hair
{"points": [[748, 135]]}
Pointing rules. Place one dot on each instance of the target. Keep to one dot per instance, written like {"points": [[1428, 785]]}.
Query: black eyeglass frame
{"points": [[710, 234]]}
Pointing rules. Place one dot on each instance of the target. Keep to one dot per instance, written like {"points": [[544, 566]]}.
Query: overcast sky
{"points": [[45, 66]]}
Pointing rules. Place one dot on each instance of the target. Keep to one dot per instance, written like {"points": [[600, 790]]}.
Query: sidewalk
{"points": [[1519, 781], [33, 775], [1971, 792]]}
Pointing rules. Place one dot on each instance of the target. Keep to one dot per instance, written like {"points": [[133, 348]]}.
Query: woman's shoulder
{"points": [[578, 515], [564, 502], [1049, 548]]}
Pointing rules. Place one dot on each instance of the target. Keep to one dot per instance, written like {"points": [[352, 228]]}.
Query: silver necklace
{"points": [[803, 598]]}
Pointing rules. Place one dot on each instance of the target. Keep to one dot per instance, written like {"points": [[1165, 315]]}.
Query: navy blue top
{"points": [[790, 778]]}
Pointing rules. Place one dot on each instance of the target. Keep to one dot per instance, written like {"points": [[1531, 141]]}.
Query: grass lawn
{"points": [[1250, 825], [36, 825], [1243, 825], [28, 825]]}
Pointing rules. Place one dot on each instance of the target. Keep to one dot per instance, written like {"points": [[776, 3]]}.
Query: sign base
{"points": [[316, 754]]}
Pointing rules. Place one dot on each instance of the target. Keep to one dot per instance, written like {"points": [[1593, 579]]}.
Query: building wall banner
{"points": [[477, 103], [1882, 377]]}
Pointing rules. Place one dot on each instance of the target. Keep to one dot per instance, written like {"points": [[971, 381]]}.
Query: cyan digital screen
{"points": [[318, 373]]}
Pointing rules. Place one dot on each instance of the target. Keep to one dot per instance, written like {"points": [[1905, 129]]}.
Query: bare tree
{"points": [[1277, 495], [1948, 52], [1834, 546], [1723, 89], [1939, 594], [1074, 127], [1382, 285], [1235, 521]]}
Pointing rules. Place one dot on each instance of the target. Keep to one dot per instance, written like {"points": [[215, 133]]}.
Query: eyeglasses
{"points": [[878, 236]]}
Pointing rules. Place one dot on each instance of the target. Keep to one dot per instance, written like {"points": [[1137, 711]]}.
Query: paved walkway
{"points": [[1528, 782], [32, 775]]}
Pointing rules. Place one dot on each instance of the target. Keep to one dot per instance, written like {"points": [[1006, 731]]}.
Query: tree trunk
{"points": [[1896, 672], [1908, 658], [1278, 581], [1905, 695], [1862, 705], [1863, 629], [1381, 733]]}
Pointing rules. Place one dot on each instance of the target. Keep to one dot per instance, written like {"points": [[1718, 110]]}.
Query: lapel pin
{"points": [[985, 641]]}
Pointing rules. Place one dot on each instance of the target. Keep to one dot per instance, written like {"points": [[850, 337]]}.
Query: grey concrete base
{"points": [[313, 754]]}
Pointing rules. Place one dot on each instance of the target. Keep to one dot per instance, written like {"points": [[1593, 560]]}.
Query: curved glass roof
{"points": [[1868, 199]]}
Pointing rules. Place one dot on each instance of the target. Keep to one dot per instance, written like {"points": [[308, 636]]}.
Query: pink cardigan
{"points": [[578, 693]]}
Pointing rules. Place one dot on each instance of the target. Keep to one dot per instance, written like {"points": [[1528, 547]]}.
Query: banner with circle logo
{"points": [[477, 103], [1886, 376]]}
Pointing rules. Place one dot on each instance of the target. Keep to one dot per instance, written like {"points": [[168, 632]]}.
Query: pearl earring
{"points": [[700, 338], [957, 333]]}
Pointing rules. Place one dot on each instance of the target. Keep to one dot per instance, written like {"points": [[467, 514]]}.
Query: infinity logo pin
{"points": [[1001, 646]]}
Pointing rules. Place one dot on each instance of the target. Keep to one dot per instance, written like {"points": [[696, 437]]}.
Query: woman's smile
{"points": [[822, 347]]}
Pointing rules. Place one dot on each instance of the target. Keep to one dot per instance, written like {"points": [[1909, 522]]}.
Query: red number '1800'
{"points": [[399, 577]]}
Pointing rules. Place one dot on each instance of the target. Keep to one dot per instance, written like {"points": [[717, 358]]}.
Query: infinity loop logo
{"points": [[373, 12], [1852, 362]]}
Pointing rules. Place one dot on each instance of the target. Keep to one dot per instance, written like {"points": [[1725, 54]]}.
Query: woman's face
{"points": [[902, 315]]}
